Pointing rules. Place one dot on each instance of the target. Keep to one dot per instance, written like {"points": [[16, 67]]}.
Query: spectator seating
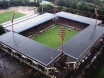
{"points": [[37, 29], [72, 24]]}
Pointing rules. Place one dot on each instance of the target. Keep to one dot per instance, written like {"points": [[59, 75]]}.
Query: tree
{"points": [[73, 4], [37, 75], [51, 1], [5, 4], [82, 6], [46, 8], [2, 31], [22, 2], [60, 2]]}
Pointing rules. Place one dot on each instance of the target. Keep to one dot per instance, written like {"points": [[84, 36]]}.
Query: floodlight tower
{"points": [[54, 8], [62, 35], [42, 6], [12, 22], [96, 15]]}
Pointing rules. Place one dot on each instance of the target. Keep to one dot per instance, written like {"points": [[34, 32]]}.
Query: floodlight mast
{"points": [[62, 35], [12, 22], [42, 6], [54, 8], [96, 16]]}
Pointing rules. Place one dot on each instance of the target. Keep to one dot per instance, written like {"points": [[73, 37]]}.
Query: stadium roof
{"points": [[78, 18], [27, 24], [78, 45], [38, 52]]}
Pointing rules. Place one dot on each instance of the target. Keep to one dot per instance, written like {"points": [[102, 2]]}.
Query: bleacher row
{"points": [[36, 30], [72, 24], [41, 28], [42, 31]]}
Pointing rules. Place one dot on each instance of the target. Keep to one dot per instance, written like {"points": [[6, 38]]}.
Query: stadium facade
{"points": [[45, 59]]}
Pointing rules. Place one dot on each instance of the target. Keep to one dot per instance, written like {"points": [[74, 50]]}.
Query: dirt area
{"points": [[22, 9]]}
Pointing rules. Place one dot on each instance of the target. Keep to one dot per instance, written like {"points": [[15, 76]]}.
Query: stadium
{"points": [[35, 38]]}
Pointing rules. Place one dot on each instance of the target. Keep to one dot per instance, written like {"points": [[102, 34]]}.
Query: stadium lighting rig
{"points": [[54, 7], [62, 33], [42, 7], [97, 15], [12, 22]]}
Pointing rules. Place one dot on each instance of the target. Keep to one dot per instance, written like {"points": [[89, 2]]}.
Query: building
{"points": [[45, 59]]}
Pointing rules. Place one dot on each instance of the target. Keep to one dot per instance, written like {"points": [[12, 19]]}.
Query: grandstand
{"points": [[78, 18], [80, 45], [29, 23], [77, 51], [31, 52]]}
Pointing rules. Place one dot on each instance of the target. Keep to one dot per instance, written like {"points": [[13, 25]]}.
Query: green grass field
{"points": [[52, 38], [101, 73], [8, 16]]}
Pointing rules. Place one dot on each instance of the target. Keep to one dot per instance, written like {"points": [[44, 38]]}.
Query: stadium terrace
{"points": [[77, 50]]}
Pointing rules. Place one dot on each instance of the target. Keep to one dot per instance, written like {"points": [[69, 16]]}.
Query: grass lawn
{"points": [[101, 72], [8, 16], [52, 38]]}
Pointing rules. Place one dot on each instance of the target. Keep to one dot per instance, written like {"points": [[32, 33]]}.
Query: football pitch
{"points": [[52, 38], [7, 16]]}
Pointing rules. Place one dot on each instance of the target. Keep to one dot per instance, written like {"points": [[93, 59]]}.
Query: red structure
{"points": [[54, 9], [54, 6], [12, 22], [62, 35], [97, 15]]}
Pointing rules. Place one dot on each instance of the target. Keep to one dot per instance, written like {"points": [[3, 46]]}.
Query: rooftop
{"points": [[78, 18], [30, 48], [29, 23], [74, 48], [78, 45]]}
